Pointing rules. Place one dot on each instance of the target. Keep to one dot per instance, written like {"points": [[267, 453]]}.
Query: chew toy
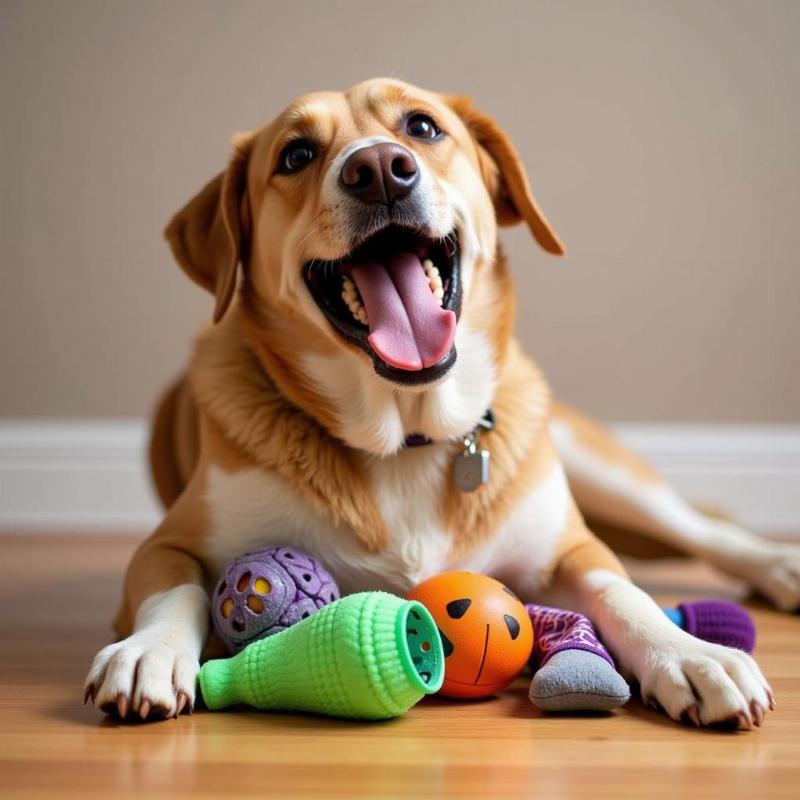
{"points": [[267, 591], [718, 621], [486, 632], [368, 656], [573, 671]]}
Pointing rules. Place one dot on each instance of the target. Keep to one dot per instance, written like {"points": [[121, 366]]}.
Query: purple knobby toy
{"points": [[717, 621], [267, 591]]}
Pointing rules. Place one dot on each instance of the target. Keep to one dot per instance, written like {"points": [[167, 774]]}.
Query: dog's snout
{"points": [[380, 173]]}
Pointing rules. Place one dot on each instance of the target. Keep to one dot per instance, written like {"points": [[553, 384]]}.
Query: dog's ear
{"points": [[209, 234], [504, 175]]}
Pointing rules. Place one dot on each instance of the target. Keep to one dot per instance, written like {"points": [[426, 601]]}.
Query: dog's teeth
{"points": [[434, 279], [353, 300]]}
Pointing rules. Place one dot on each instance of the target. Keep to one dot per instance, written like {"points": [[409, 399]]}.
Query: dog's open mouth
{"points": [[397, 296]]}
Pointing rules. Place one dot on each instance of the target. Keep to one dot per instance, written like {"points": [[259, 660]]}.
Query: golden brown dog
{"points": [[375, 312]]}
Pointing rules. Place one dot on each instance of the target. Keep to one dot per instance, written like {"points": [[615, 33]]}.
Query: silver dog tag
{"points": [[471, 468]]}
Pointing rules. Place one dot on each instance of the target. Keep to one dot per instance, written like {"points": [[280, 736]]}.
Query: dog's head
{"points": [[365, 223]]}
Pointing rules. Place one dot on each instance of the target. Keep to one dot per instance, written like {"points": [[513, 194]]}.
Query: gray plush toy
{"points": [[574, 672]]}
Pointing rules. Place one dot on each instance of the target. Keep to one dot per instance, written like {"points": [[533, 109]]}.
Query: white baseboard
{"points": [[92, 475], [751, 472], [75, 475]]}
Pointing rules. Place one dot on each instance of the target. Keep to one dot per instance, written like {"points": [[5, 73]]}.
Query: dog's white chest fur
{"points": [[251, 509]]}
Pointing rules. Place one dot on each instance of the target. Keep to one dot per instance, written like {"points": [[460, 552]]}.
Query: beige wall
{"points": [[661, 138]]}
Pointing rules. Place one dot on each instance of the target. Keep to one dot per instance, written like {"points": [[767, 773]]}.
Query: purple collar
{"points": [[416, 440], [486, 422]]}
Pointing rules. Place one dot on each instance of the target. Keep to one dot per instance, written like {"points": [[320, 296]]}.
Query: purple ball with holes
{"points": [[266, 592]]}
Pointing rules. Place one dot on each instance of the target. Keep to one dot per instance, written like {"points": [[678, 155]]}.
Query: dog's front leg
{"points": [[692, 680], [164, 618]]}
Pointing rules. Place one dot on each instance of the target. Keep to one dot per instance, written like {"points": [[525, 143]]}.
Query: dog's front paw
{"points": [[143, 675], [705, 684]]}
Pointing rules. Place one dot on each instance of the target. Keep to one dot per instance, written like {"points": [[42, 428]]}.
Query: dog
{"points": [[360, 365]]}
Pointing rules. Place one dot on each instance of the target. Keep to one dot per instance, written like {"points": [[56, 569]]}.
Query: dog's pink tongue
{"points": [[407, 327]]}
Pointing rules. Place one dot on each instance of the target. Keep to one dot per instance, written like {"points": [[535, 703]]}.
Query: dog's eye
{"points": [[295, 156], [421, 126]]}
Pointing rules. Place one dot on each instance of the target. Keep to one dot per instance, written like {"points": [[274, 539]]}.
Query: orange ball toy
{"points": [[486, 632]]}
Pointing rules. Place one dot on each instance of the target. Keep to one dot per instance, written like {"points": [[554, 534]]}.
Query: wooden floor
{"points": [[58, 593]]}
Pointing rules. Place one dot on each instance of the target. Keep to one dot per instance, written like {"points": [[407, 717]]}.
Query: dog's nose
{"points": [[380, 173]]}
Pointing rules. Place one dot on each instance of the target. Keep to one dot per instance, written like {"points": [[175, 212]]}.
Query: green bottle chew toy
{"points": [[367, 656]]}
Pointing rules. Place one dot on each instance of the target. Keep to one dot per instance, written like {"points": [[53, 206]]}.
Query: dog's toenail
{"points": [[183, 698], [690, 716], [122, 705]]}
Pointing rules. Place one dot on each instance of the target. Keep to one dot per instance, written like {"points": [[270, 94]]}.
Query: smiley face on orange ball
{"points": [[486, 632]]}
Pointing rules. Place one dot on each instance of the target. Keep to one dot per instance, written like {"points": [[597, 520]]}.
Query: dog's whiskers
{"points": [[310, 233]]}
